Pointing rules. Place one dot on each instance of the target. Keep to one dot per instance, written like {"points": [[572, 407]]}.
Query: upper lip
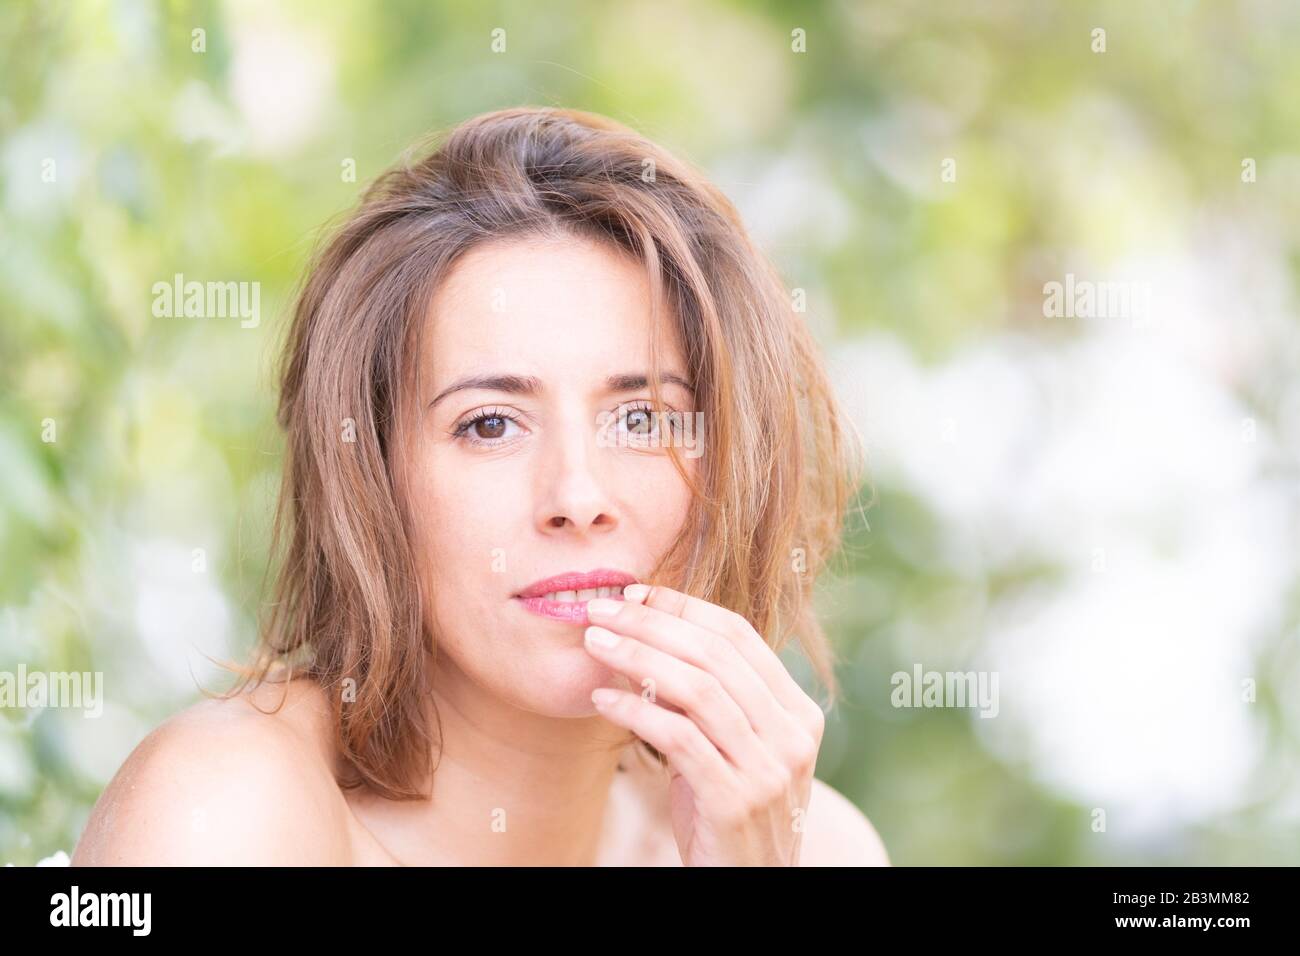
{"points": [[578, 581]]}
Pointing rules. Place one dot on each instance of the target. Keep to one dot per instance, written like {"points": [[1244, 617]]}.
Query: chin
{"points": [[561, 685]]}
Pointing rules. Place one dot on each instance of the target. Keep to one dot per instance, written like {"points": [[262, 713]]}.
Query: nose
{"points": [[573, 482]]}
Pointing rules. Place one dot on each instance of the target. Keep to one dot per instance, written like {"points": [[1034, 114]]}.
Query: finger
{"points": [[728, 623], [765, 661], [697, 692], [707, 650], [677, 737]]}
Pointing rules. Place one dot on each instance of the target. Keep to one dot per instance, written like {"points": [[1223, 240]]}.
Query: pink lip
{"points": [[570, 612]]}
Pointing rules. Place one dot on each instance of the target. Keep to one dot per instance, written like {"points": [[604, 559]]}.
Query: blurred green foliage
{"points": [[128, 156]]}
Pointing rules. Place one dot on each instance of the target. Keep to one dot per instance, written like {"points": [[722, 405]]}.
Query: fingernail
{"points": [[636, 592], [601, 637], [602, 607]]}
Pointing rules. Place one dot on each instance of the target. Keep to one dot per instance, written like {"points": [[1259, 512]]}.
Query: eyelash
{"points": [[461, 432]]}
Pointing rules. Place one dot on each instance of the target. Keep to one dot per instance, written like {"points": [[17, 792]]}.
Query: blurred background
{"points": [[1095, 506]]}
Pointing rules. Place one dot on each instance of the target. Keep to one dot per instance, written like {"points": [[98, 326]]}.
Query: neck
{"points": [[511, 787]]}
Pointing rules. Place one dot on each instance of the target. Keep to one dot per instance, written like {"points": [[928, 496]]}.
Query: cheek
{"points": [[460, 523], [660, 503], [457, 514]]}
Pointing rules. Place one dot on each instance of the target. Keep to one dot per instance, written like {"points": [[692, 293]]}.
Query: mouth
{"points": [[565, 596], [571, 597]]}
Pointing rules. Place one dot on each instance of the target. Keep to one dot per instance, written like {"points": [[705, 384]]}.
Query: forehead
{"points": [[570, 307]]}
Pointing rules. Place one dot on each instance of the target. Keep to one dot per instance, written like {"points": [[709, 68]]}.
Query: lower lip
{"points": [[570, 612]]}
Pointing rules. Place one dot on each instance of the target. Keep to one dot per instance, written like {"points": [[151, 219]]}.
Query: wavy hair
{"points": [[781, 463]]}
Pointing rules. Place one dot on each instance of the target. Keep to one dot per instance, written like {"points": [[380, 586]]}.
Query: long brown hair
{"points": [[780, 465]]}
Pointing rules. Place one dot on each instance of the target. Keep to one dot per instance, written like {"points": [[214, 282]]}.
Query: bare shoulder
{"points": [[225, 782], [837, 833]]}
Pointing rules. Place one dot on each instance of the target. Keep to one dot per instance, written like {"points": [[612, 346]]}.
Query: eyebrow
{"points": [[531, 385]]}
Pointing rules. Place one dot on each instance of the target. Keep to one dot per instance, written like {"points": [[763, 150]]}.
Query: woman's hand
{"points": [[742, 738]]}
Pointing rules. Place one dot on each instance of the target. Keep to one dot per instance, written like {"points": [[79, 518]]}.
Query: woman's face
{"points": [[563, 475]]}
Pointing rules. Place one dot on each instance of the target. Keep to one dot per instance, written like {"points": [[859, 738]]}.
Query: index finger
{"points": [[735, 628]]}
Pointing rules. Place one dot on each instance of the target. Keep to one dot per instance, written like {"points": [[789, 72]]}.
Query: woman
{"points": [[562, 467]]}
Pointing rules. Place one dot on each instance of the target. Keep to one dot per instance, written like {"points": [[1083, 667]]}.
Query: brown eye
{"points": [[640, 421], [490, 427], [487, 428]]}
